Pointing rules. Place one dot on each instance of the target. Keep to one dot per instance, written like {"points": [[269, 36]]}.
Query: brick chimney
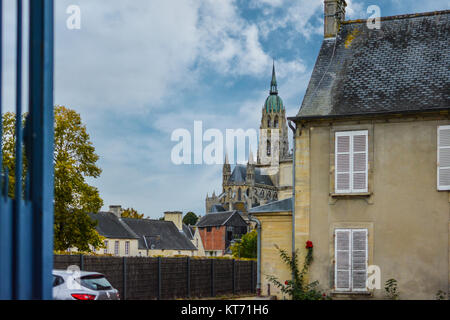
{"points": [[175, 217], [334, 15], [116, 210]]}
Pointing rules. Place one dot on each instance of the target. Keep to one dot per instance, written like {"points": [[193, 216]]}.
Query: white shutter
{"points": [[351, 164], [443, 169], [342, 163], [359, 259], [342, 260], [359, 161]]}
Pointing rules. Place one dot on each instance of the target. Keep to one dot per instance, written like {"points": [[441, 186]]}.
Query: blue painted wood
{"points": [[26, 223]]}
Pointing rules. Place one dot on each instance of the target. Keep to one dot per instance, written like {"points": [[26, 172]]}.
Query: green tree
{"points": [[131, 213], [74, 160], [190, 218], [247, 247]]}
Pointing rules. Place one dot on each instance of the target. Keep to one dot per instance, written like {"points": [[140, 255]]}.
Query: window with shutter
{"points": [[351, 162], [443, 170], [351, 259], [342, 260], [359, 260]]}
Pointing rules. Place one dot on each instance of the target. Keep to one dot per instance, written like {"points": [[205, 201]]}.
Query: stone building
{"points": [[267, 179], [372, 161]]}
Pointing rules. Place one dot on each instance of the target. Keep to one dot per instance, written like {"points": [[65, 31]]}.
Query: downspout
{"points": [[258, 265], [294, 131]]}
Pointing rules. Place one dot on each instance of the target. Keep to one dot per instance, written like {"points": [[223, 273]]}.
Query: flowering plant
{"points": [[298, 288]]}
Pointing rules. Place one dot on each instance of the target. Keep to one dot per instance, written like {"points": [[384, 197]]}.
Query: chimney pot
{"points": [[334, 15], [116, 210]]}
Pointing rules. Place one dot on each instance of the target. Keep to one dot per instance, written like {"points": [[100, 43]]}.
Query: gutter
{"points": [[368, 114], [294, 130], [258, 273]]}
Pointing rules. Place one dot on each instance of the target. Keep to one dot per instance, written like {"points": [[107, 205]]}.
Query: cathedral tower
{"points": [[273, 118]]}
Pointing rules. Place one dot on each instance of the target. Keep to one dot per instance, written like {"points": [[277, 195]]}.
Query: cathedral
{"points": [[270, 177]]}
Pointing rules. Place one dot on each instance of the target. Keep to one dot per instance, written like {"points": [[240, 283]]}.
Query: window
{"points": [[443, 172], [269, 148], [239, 194], [116, 248], [275, 123], [351, 162], [105, 251], [268, 122], [127, 248], [350, 260], [208, 229]]}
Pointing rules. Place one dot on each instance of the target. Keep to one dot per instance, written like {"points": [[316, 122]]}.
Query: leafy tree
{"points": [[247, 247], [74, 160], [190, 218], [131, 213]]}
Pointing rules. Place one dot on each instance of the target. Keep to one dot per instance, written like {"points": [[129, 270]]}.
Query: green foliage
{"points": [[391, 289], [441, 295], [74, 159], [297, 288], [190, 218], [131, 213], [247, 247]]}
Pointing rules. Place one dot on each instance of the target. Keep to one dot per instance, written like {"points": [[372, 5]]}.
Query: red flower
{"points": [[286, 282], [324, 295], [309, 244]]}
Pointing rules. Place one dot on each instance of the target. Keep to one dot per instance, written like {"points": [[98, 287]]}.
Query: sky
{"points": [[136, 70]]}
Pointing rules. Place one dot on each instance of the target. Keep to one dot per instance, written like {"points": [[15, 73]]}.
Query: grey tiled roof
{"points": [[188, 231], [240, 172], [111, 227], [403, 67], [162, 235], [276, 206], [219, 219], [217, 208]]}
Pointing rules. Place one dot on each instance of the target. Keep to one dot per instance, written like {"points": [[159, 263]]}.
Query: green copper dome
{"points": [[273, 102]]}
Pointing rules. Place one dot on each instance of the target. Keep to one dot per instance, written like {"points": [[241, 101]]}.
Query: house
{"points": [[218, 230], [144, 237], [372, 161], [120, 240]]}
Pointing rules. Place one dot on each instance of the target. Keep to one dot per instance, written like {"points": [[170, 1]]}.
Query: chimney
{"points": [[334, 15], [175, 217], [116, 210]]}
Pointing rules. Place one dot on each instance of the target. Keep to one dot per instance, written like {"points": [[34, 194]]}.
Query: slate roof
{"points": [[404, 67], [110, 226], [188, 231], [240, 172], [276, 206], [216, 219], [156, 234], [217, 208]]}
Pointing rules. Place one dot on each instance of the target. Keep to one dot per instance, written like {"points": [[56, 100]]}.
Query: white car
{"points": [[82, 285]]}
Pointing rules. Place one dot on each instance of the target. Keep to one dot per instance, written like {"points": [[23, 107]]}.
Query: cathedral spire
{"points": [[273, 83]]}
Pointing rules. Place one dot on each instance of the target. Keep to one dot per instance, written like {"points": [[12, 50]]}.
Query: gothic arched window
{"points": [[239, 194], [269, 148], [275, 122], [268, 122]]}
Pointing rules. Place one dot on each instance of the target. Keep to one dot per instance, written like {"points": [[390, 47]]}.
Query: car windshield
{"points": [[95, 282]]}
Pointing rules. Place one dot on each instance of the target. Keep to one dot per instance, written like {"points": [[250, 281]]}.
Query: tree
{"points": [[74, 160], [190, 218], [131, 213], [247, 247]]}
